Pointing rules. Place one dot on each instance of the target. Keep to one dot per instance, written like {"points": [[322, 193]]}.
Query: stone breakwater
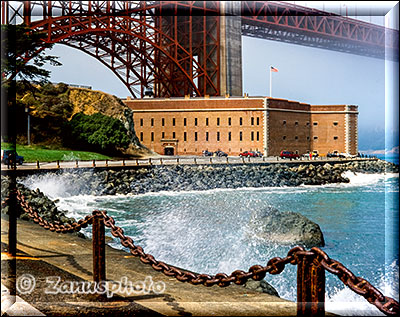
{"points": [[45, 207], [205, 177]]}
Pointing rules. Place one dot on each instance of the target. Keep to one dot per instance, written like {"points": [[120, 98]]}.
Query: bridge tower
{"points": [[231, 48]]}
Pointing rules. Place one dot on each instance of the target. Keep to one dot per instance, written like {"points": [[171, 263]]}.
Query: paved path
{"points": [[70, 257]]}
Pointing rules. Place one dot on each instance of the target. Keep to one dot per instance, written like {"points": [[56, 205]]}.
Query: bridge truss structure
{"points": [[173, 47]]}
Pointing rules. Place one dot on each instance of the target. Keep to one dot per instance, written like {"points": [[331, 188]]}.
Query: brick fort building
{"points": [[187, 126]]}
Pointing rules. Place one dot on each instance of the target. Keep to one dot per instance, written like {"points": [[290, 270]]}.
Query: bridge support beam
{"points": [[231, 48]]}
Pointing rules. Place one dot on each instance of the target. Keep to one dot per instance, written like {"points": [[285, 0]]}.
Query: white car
{"points": [[345, 155]]}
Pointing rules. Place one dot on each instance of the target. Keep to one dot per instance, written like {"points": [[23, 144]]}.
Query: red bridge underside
{"points": [[173, 47]]}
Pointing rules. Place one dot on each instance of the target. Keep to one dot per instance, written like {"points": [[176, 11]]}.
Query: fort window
{"points": [[335, 123], [173, 135], [163, 122], [229, 121], [152, 122], [195, 136], [258, 136], [315, 123], [284, 122], [195, 121], [335, 137], [184, 136], [258, 120], [184, 122], [141, 136], [315, 138], [241, 136], [173, 121], [206, 136], [152, 136], [241, 121], [308, 138], [163, 135], [307, 123], [296, 123], [217, 136], [141, 122], [217, 121], [230, 136], [252, 120], [284, 137], [296, 137], [252, 135], [207, 121]]}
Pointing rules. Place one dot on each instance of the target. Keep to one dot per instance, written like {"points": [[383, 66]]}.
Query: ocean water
{"points": [[210, 232]]}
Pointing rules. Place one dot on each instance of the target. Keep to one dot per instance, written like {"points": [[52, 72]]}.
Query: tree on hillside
{"points": [[22, 56], [97, 132], [19, 44]]}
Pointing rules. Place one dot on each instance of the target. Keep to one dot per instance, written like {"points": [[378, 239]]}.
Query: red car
{"points": [[246, 154], [289, 154]]}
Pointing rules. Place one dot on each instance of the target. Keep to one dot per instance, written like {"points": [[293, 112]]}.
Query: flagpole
{"points": [[270, 82]]}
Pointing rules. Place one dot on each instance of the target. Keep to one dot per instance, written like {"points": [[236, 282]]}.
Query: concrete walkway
{"points": [[71, 257]]}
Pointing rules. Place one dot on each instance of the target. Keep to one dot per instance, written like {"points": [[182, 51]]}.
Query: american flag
{"points": [[273, 69]]}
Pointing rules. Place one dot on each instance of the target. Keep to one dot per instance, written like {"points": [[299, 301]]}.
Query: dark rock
{"points": [[286, 228], [261, 286]]}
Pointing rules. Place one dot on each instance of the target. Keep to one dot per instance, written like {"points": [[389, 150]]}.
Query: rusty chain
{"points": [[56, 227], [276, 265]]}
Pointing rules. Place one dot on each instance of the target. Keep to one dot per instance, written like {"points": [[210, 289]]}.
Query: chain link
{"points": [[276, 265]]}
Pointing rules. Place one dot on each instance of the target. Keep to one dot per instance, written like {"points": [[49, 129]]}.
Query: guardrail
{"points": [[311, 265], [179, 161]]}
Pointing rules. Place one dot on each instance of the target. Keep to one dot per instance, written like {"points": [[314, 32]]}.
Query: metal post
{"points": [[160, 161], [76, 163], [12, 239], [94, 163], [137, 162], [310, 286], [210, 160], [123, 162], [150, 161], [27, 110], [99, 251], [37, 164], [243, 159], [177, 160], [12, 219], [58, 164], [195, 161], [227, 161], [106, 163]]}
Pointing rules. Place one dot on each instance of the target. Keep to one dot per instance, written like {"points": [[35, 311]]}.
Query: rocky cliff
{"points": [[91, 101]]}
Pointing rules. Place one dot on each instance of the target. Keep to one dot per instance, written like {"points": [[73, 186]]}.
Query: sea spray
{"points": [[204, 231]]}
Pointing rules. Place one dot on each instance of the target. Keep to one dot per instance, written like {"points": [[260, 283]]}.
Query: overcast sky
{"points": [[305, 74]]}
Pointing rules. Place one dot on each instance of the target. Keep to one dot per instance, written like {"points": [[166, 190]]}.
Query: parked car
{"points": [[345, 155], [207, 153], [313, 154], [258, 154], [6, 155], [220, 153], [334, 154], [246, 154], [289, 154]]}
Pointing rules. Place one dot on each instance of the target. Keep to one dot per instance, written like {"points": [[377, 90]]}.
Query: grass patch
{"points": [[33, 153]]}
